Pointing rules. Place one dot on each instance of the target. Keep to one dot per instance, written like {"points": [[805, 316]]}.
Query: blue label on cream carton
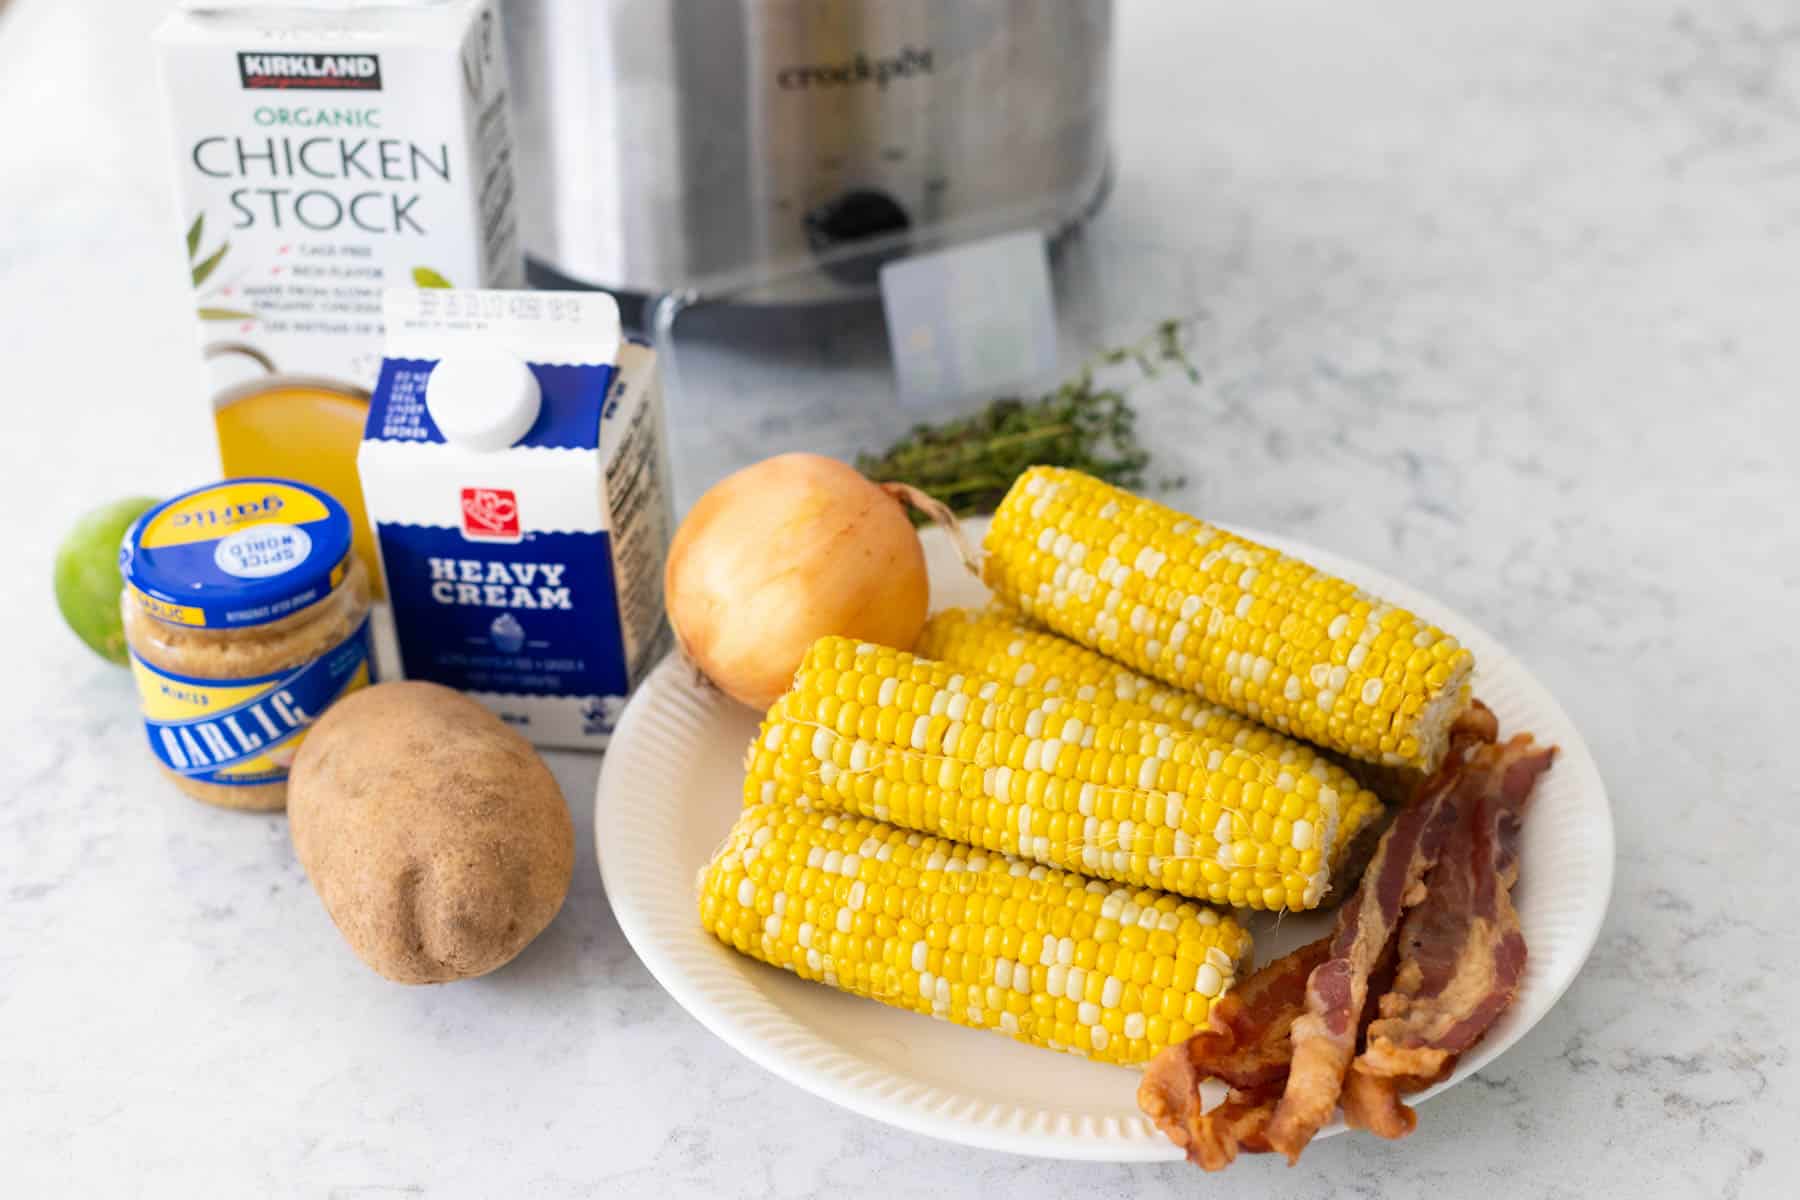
{"points": [[514, 470]]}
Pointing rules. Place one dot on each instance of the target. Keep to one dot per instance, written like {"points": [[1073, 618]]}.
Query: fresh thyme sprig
{"points": [[968, 463]]}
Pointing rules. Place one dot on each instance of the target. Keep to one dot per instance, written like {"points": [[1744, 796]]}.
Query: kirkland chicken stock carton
{"points": [[325, 152], [515, 471]]}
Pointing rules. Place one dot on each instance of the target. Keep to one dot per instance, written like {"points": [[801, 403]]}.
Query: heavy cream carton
{"points": [[324, 152], [514, 466]]}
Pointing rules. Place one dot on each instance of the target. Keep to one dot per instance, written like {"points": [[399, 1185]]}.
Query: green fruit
{"points": [[87, 576]]}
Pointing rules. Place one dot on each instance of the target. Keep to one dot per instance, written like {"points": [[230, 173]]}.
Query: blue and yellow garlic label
{"points": [[244, 731]]}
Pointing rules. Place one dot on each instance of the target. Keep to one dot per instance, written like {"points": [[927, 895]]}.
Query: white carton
{"points": [[515, 469], [324, 152]]}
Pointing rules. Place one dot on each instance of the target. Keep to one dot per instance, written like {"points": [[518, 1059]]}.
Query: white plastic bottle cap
{"points": [[484, 399]]}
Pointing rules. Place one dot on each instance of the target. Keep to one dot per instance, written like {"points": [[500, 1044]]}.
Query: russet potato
{"points": [[436, 837]]}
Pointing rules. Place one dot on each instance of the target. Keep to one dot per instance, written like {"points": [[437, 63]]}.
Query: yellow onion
{"points": [[787, 551]]}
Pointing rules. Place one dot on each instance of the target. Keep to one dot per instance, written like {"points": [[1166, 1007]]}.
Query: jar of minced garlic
{"points": [[247, 615]]}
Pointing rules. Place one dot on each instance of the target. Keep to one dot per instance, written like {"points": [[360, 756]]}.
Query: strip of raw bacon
{"points": [[1324, 1037], [1247, 1047], [1462, 953]]}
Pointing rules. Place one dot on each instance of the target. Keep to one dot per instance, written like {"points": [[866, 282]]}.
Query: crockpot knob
{"points": [[482, 399], [853, 216]]}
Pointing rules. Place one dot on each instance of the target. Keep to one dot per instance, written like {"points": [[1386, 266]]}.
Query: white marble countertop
{"points": [[1503, 302]]}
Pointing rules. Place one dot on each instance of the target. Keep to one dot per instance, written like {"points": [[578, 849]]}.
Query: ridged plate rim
{"points": [[645, 806]]}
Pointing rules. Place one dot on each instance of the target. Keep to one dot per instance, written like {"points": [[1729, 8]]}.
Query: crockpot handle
{"points": [[221, 349]]}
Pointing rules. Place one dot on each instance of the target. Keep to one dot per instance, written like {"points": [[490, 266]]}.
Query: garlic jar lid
{"points": [[482, 398], [238, 553]]}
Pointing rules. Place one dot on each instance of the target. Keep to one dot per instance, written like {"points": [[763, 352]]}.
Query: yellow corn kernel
{"points": [[949, 969], [1195, 607], [1105, 812]]}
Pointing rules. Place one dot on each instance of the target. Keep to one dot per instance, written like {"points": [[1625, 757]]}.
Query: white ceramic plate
{"points": [[671, 788]]}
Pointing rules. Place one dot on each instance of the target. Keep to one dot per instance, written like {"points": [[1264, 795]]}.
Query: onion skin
{"points": [[782, 553]]}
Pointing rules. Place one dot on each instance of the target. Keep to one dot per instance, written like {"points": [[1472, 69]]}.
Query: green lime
{"points": [[87, 576]]}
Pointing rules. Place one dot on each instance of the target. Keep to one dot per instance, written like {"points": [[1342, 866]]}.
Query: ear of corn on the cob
{"points": [[1257, 631], [983, 940], [920, 744], [998, 646]]}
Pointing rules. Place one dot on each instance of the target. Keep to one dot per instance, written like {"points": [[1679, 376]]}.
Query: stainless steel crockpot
{"points": [[667, 144]]}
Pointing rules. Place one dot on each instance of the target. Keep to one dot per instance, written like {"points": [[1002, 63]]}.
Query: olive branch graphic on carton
{"points": [[202, 269]]}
